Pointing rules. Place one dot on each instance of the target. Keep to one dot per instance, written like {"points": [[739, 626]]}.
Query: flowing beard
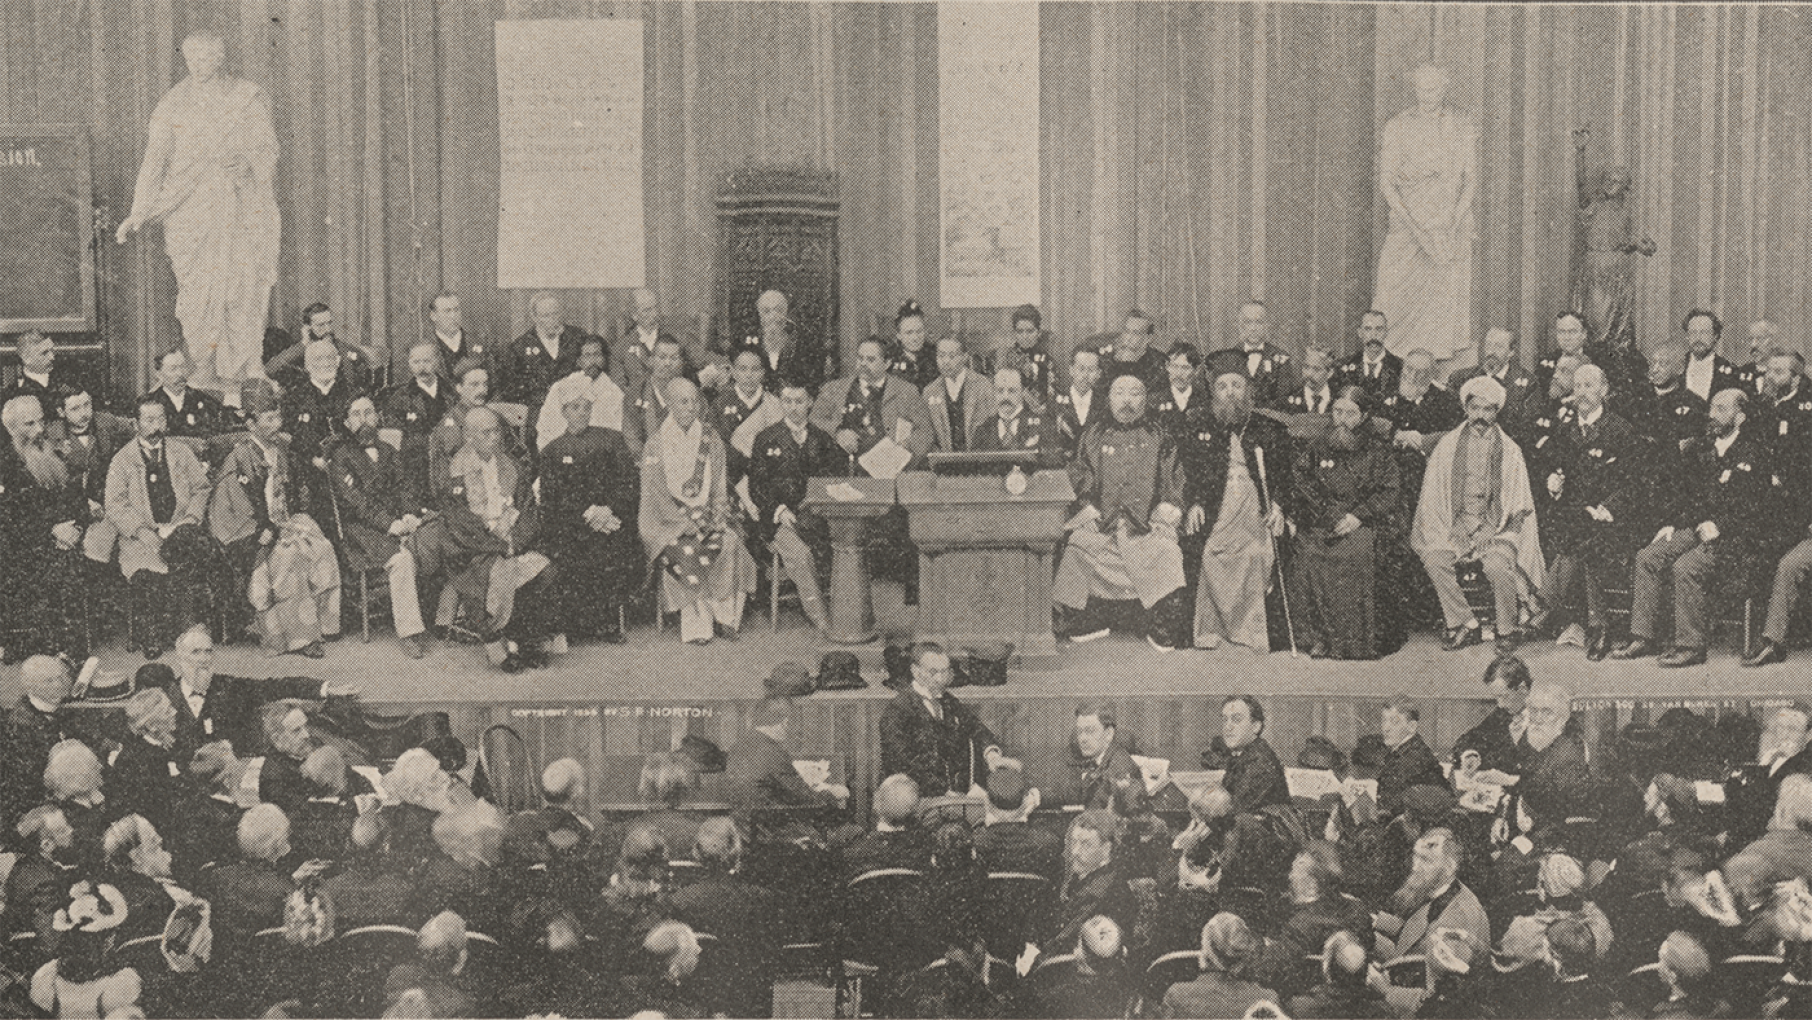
{"points": [[366, 437], [1343, 439], [1424, 881], [44, 465], [1231, 414]]}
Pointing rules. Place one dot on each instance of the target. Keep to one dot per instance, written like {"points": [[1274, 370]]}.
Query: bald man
{"points": [[314, 416], [410, 409]]}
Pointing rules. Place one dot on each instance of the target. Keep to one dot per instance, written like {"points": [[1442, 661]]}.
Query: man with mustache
{"points": [[1269, 370], [254, 491], [42, 514], [1374, 367], [1497, 359], [415, 405], [1015, 426], [1237, 474], [1130, 352], [1430, 900], [1593, 492], [1123, 528], [380, 506], [1788, 422], [1707, 371], [1476, 507], [1347, 499], [157, 493], [1722, 525]]}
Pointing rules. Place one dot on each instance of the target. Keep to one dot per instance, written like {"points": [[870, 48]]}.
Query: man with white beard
{"points": [[42, 512], [1556, 779], [1750, 794]]}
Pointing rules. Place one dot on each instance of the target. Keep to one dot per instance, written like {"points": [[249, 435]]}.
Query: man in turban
{"points": [[1476, 507]]}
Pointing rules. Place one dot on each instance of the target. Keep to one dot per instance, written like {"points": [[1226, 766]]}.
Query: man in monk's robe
{"points": [[1476, 507], [1237, 467], [1123, 532], [588, 494], [1346, 496], [685, 522]]}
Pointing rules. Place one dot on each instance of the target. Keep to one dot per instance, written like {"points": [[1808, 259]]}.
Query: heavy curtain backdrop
{"points": [[1193, 154]]}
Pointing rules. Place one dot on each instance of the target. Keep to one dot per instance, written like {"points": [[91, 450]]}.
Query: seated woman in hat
{"points": [[686, 522]]}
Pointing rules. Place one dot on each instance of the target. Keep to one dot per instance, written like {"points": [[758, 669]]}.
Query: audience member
{"points": [[930, 736], [1229, 949], [1007, 842]]}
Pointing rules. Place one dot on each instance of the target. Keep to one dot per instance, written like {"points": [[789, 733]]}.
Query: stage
{"points": [[609, 705]]}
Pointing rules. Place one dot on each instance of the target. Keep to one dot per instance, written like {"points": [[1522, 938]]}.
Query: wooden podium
{"points": [[986, 557], [851, 603]]}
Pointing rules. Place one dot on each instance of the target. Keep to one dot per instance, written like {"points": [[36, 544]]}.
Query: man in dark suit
{"points": [[1270, 367], [1522, 395], [1129, 352], [190, 413], [1106, 764], [533, 361], [211, 707], [631, 354], [1707, 372], [895, 841], [759, 769], [958, 398], [39, 883], [1786, 419], [379, 506], [590, 496], [37, 722], [1093, 882], [789, 355], [87, 439], [38, 376], [1407, 760], [783, 459], [247, 895], [452, 342], [1082, 404], [314, 416], [414, 407], [1170, 407], [1014, 425], [359, 365], [1727, 521], [930, 736], [1374, 367], [1254, 775], [43, 579], [747, 920], [1006, 841], [1315, 389]]}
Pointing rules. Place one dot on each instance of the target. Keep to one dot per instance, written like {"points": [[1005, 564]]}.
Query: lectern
{"points": [[852, 613], [986, 556]]}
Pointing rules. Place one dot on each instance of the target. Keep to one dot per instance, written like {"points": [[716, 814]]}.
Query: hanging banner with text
{"points": [[988, 154], [569, 112]]}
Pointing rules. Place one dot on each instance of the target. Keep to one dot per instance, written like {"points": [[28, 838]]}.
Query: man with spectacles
{"points": [[929, 735]]}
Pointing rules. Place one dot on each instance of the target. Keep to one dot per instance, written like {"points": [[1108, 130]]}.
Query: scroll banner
{"points": [[569, 111], [988, 154]]}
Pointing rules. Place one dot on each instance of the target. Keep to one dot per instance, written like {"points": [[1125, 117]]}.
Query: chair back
{"points": [[364, 958], [505, 770], [1642, 987], [883, 921], [1169, 969], [1744, 981], [1016, 900]]}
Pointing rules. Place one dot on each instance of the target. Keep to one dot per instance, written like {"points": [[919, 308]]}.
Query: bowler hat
{"points": [[788, 679], [987, 663], [840, 671]]}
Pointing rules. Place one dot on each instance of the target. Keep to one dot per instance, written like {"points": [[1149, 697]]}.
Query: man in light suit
{"points": [[157, 491], [1432, 898], [958, 399]]}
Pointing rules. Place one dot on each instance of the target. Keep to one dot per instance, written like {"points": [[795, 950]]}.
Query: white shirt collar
{"points": [[41, 379], [1723, 445], [432, 390], [177, 398], [954, 387], [1081, 402], [1592, 419], [1181, 397], [450, 342]]}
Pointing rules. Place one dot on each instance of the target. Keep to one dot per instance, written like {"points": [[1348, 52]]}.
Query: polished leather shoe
{"points": [[1767, 655], [1462, 637], [1598, 644], [1636, 649], [1683, 657]]}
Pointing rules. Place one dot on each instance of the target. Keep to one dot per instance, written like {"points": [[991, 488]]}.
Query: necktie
{"points": [[936, 710]]}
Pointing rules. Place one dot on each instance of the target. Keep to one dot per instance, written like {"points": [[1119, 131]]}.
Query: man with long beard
{"points": [[1237, 470], [1431, 898], [1555, 782], [1123, 529], [1476, 506], [380, 505], [42, 512], [1346, 498]]}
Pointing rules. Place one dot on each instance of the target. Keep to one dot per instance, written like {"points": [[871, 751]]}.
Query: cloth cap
{"points": [[789, 679], [1483, 387]]}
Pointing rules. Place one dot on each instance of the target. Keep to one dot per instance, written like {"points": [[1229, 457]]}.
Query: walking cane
{"points": [[1283, 590]]}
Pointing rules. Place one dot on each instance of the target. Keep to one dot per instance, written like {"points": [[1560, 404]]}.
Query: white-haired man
{"points": [[212, 706], [790, 354], [532, 361], [1476, 507]]}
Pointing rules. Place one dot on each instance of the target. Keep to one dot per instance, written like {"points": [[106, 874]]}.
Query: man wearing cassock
{"points": [[1476, 507], [42, 514], [685, 522], [1123, 531], [1237, 467], [588, 493], [1346, 499]]}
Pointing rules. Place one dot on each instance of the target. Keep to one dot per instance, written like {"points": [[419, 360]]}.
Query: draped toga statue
{"points": [[1428, 170], [207, 176]]}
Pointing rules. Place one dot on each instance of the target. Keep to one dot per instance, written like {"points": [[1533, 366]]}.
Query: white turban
{"points": [[1484, 387]]}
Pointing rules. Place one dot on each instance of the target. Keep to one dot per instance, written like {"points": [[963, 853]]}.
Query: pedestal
{"points": [[986, 558], [851, 604]]}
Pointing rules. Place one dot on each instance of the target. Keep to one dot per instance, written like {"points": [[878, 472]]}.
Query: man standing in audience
{"points": [[1016, 425], [589, 497], [42, 515], [1269, 367], [591, 382], [783, 458], [1183, 364], [1723, 524], [1476, 507], [314, 414], [1707, 372], [158, 491], [1007, 841], [1236, 466], [958, 399], [414, 406], [1497, 359], [1374, 367], [789, 355], [1130, 353], [381, 504], [359, 365], [929, 736], [452, 343], [1592, 499], [1077, 407], [211, 706], [533, 361], [1789, 424], [1347, 507], [188, 413], [1407, 760], [1123, 526], [38, 376]]}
